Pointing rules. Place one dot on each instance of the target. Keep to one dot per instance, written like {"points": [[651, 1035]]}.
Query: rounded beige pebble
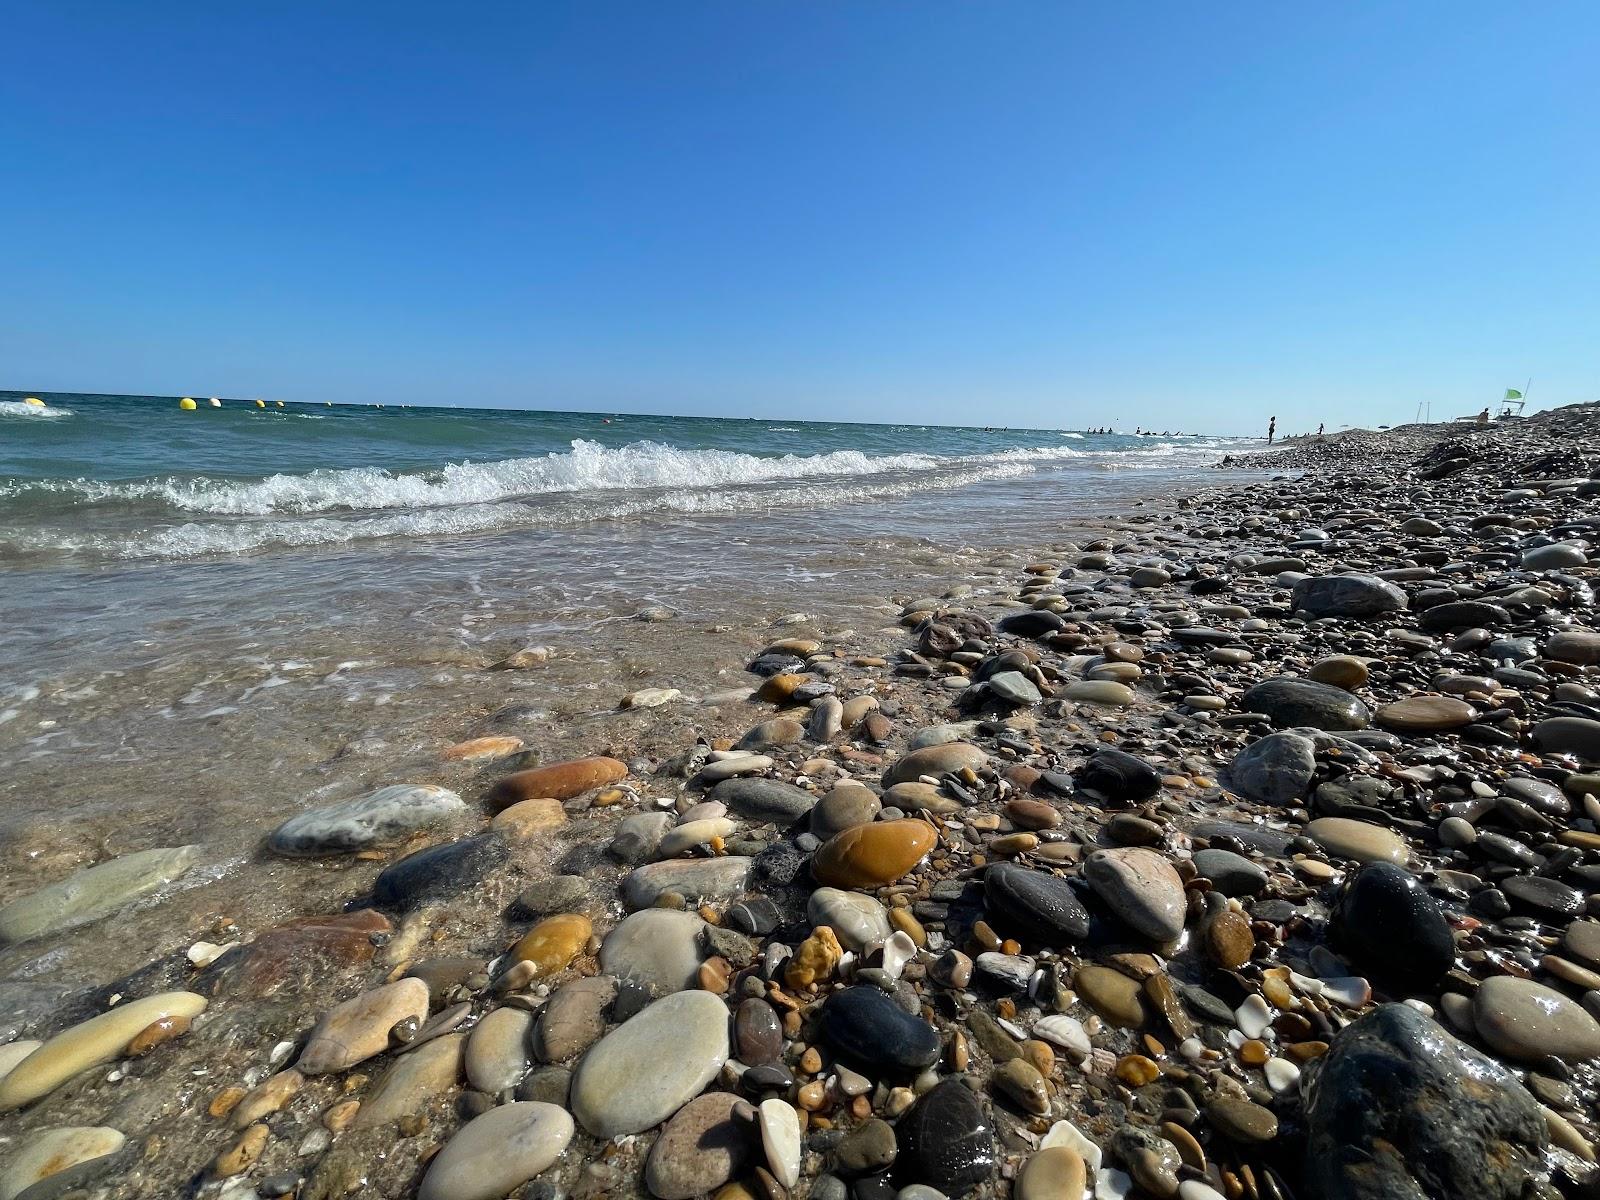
{"points": [[90, 1043], [1053, 1174], [55, 1154], [497, 1152]]}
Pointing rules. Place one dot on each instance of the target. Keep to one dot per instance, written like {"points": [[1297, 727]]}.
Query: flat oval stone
{"points": [[573, 1019], [689, 835], [1291, 703], [1347, 596], [498, 1054], [90, 1043], [92, 893], [847, 805], [1111, 994], [1142, 888], [501, 1150], [946, 1140], [1582, 940], [1231, 874], [757, 1032], [935, 760], [1426, 714], [647, 1068], [764, 799], [356, 1030], [1581, 647], [866, 1026], [435, 872], [1340, 671], [1544, 896], [873, 855], [379, 818], [1041, 906], [553, 943], [69, 1156], [417, 1076], [1526, 1021], [704, 878], [1099, 691], [1388, 923], [699, 1150], [557, 781], [1577, 736], [657, 947], [858, 921], [1344, 837]]}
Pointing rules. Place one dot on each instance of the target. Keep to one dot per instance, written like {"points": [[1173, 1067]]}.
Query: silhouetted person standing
{"points": [[1272, 430]]}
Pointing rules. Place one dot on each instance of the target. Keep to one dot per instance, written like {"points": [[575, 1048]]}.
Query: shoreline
{"points": [[1218, 1020]]}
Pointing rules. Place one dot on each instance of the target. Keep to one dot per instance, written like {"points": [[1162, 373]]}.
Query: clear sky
{"points": [[1170, 214]]}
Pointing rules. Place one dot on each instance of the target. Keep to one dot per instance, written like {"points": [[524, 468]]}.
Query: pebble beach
{"points": [[1245, 844]]}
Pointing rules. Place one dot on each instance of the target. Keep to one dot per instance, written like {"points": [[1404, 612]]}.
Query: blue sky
{"points": [[1175, 215]]}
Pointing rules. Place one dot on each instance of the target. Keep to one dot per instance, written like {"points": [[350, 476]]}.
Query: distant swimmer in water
{"points": [[1272, 430]]}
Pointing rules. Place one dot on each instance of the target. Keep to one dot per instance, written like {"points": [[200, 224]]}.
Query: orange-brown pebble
{"points": [[268, 1097], [553, 943], [241, 1156], [478, 749], [872, 855], [811, 1061], [1306, 1051], [1136, 1070], [714, 975], [1183, 1141], [1040, 1055], [225, 1101], [813, 1095], [157, 1033], [338, 1117], [904, 921], [814, 959], [1253, 1053], [1010, 947], [558, 781], [1006, 1008]]}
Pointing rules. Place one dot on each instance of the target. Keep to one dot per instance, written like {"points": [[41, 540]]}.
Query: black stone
{"points": [[1032, 624], [1386, 921], [946, 1140], [763, 799], [1464, 614], [864, 1025], [438, 871], [1120, 777], [1542, 896], [1399, 1108], [1295, 702], [776, 664], [1042, 907]]}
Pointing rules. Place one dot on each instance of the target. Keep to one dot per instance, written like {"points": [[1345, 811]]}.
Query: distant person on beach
{"points": [[1272, 430], [1483, 417], [1320, 426]]}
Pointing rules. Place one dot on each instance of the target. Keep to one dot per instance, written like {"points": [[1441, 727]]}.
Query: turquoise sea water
{"points": [[136, 477]]}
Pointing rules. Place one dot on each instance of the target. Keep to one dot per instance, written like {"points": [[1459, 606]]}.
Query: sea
{"points": [[215, 617]]}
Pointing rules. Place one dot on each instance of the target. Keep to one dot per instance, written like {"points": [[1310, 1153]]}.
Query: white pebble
{"points": [[780, 1139], [1282, 1075], [203, 954], [1065, 1133], [1254, 1016], [1066, 1032], [897, 952], [1351, 991]]}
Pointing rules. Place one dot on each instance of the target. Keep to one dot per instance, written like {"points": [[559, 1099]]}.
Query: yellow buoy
{"points": [[261, 403], [215, 403], [186, 404], [35, 401], [279, 403]]}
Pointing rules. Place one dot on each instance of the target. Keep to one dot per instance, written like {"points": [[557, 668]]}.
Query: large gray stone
{"points": [[1276, 769], [1401, 1110], [694, 879], [764, 799], [657, 947], [379, 818], [1347, 596], [93, 893], [651, 1065], [1291, 702]]}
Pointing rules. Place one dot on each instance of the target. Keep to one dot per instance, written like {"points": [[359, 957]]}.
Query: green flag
{"points": [[1513, 394]]}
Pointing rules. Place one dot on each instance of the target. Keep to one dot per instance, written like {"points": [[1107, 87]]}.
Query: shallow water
{"points": [[190, 657]]}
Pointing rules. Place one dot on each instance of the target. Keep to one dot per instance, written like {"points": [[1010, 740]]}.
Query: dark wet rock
{"points": [[1042, 907], [1401, 1110], [1386, 921], [1032, 624], [1118, 777], [757, 1032], [1464, 614], [1276, 769], [1578, 736], [439, 871], [1231, 874], [763, 799], [1543, 896], [867, 1149], [1291, 702], [867, 1027], [1347, 596], [559, 893], [946, 1140]]}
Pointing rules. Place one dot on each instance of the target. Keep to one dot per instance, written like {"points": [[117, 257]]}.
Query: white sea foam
{"points": [[37, 412]]}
